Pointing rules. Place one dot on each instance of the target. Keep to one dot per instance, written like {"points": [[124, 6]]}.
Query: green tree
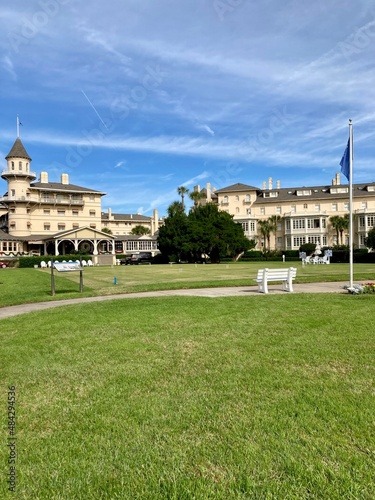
{"points": [[140, 230], [196, 196], [182, 190], [214, 233], [370, 240], [265, 229], [274, 220], [340, 224], [205, 231], [106, 230], [173, 238]]}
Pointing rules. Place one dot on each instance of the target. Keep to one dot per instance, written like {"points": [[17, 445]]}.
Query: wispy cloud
{"points": [[8, 66]]}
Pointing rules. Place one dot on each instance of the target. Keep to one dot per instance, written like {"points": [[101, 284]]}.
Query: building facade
{"points": [[43, 217], [304, 212]]}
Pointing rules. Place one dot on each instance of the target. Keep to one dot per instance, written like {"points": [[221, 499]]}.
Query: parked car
{"points": [[137, 258], [4, 264]]}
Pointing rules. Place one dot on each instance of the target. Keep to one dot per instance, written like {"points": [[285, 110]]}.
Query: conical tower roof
{"points": [[18, 151]]}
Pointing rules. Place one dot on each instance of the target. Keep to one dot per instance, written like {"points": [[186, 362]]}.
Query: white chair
{"points": [[49, 263], [43, 265], [89, 262], [84, 263]]}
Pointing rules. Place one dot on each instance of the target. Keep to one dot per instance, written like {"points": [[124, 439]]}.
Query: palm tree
{"points": [[340, 224], [265, 230], [182, 190], [196, 196], [273, 222]]}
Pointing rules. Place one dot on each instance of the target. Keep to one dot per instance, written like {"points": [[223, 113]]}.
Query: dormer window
{"points": [[270, 194], [303, 192]]}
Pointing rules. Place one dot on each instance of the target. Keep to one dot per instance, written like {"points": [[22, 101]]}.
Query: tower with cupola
{"points": [[18, 176]]}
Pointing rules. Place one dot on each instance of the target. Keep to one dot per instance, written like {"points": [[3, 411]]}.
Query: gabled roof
{"points": [[77, 230], [127, 217], [58, 186], [18, 151], [236, 187]]}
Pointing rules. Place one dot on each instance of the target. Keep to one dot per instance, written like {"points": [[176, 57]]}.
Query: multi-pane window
{"points": [[334, 207], [47, 226], [278, 210], [313, 239], [313, 223], [298, 224], [262, 211], [61, 227], [317, 207], [245, 226], [370, 220], [252, 226], [298, 241], [362, 221]]}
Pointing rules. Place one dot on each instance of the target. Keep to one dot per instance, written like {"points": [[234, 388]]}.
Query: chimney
{"points": [[64, 179], [338, 180], [208, 195], [334, 182], [277, 184], [155, 222], [197, 188], [264, 185], [44, 177], [110, 216], [269, 182]]}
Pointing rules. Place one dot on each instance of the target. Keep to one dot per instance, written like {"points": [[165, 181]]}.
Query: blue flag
{"points": [[345, 161]]}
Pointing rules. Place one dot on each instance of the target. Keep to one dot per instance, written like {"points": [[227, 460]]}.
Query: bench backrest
{"points": [[277, 274]]}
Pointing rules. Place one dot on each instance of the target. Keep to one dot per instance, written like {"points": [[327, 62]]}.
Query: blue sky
{"points": [[136, 98]]}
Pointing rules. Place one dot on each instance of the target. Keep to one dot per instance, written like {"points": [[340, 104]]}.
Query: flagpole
{"points": [[350, 203], [18, 126]]}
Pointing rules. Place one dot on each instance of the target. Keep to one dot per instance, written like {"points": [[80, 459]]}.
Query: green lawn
{"points": [[181, 398], [18, 286]]}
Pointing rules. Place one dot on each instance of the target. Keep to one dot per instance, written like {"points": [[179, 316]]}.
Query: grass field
{"points": [[182, 398], [18, 286]]}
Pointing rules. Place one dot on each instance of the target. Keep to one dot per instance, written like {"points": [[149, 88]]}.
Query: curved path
{"points": [[334, 287]]}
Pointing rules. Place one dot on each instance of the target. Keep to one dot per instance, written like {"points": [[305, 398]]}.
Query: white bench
{"points": [[286, 276]]}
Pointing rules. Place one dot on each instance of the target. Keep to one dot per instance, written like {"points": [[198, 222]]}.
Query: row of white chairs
{"points": [[316, 260], [89, 263]]}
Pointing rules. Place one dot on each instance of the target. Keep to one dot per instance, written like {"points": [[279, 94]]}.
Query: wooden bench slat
{"points": [[286, 276]]}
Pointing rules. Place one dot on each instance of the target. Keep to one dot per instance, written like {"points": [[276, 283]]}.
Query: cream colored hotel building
{"points": [[44, 217]]}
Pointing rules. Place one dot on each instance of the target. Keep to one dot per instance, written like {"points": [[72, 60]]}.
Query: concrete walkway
{"points": [[247, 291]]}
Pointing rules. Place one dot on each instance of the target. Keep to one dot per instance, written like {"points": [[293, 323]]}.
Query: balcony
{"points": [[17, 173], [42, 200]]}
